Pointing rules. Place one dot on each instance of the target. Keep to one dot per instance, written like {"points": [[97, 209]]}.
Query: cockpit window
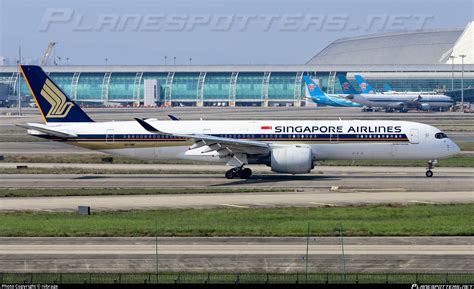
{"points": [[440, 135]]}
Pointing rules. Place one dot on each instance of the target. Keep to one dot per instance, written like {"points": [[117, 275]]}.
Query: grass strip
{"points": [[381, 220], [12, 193], [95, 171]]}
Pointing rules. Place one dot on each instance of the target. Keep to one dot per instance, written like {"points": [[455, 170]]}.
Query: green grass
{"points": [[95, 171], [394, 220], [232, 278], [84, 158], [8, 193], [466, 146]]}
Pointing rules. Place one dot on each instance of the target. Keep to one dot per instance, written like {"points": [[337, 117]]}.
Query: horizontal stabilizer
{"points": [[48, 131]]}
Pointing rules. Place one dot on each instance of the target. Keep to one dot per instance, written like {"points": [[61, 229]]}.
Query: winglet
{"points": [[172, 117], [148, 127]]}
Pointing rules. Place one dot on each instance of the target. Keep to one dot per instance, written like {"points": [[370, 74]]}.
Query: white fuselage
{"points": [[388, 100], [328, 140]]}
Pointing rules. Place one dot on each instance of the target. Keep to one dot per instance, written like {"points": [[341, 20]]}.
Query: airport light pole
{"points": [[19, 81], [174, 60], [156, 249], [307, 255], [106, 59], [452, 71], [190, 59], [67, 61], [462, 81], [166, 58], [342, 251]]}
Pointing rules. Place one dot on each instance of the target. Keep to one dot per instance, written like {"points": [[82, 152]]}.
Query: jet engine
{"points": [[294, 159], [425, 106]]}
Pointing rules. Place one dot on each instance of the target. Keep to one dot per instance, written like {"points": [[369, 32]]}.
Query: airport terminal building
{"points": [[407, 61]]}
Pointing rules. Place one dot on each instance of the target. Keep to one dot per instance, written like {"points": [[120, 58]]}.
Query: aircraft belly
{"points": [[160, 153], [372, 151]]}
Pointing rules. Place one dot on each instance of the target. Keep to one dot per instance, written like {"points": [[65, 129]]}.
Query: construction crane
{"points": [[47, 53]]}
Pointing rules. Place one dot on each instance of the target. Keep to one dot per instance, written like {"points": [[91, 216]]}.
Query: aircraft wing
{"points": [[397, 105], [415, 102], [222, 146], [46, 130]]}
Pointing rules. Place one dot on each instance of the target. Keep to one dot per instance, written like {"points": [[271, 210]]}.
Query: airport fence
{"points": [[236, 278]]}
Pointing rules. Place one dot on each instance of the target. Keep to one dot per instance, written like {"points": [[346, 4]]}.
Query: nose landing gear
{"points": [[429, 172], [241, 172]]}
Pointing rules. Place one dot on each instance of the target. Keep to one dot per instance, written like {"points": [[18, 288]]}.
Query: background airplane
{"points": [[318, 96], [387, 89], [393, 102]]}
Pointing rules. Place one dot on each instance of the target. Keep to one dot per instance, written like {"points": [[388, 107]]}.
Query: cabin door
{"points": [[414, 138], [110, 136]]}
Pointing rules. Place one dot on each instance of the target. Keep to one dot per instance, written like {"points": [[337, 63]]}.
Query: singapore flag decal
{"points": [[266, 127]]}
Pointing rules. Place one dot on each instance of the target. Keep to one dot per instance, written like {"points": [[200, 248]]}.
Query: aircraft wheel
{"points": [[245, 173], [429, 173], [230, 174]]}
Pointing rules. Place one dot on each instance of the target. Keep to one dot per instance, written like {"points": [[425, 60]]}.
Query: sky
{"points": [[210, 32]]}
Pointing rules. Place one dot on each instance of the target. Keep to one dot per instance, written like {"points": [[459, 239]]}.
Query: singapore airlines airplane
{"points": [[286, 146]]}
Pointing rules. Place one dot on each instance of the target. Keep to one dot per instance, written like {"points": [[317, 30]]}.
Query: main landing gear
{"points": [[429, 172], [238, 172]]}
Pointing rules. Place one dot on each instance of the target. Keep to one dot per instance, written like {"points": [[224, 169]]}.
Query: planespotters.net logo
{"points": [[417, 286]]}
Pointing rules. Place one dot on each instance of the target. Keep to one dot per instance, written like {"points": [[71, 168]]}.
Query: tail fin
{"points": [[387, 87], [52, 102], [346, 85], [364, 86], [313, 88]]}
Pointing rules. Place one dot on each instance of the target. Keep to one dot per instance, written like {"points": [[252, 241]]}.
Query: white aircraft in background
{"points": [[391, 102], [388, 89], [287, 146]]}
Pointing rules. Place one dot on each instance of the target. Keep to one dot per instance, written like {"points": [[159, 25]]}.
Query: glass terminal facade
{"points": [[216, 87]]}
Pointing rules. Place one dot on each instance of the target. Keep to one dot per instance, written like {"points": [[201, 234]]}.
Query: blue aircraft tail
{"points": [[52, 102], [387, 87], [313, 88], [364, 86], [346, 85]]}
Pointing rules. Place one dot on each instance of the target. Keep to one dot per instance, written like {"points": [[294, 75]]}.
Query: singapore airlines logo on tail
{"points": [[60, 106]]}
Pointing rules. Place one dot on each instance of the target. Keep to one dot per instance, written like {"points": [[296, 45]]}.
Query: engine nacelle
{"points": [[291, 159], [425, 106]]}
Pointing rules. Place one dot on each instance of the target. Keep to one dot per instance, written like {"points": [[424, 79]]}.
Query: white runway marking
{"points": [[323, 204], [235, 206], [422, 202]]}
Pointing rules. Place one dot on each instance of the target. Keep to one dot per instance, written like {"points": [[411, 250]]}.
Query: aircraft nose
{"points": [[454, 147]]}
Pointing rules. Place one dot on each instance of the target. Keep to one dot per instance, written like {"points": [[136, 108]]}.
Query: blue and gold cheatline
{"points": [[99, 141]]}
